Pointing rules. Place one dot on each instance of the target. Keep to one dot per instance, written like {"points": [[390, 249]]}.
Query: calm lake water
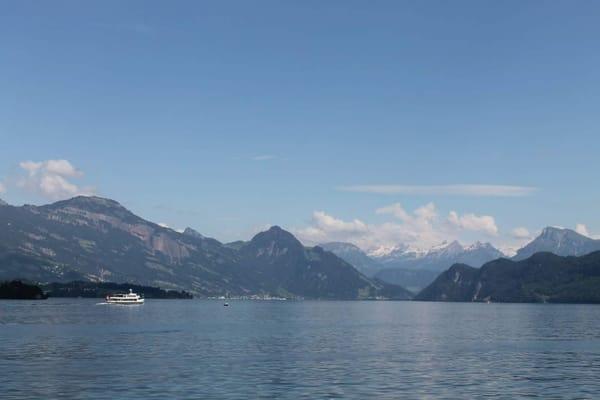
{"points": [[74, 348]]}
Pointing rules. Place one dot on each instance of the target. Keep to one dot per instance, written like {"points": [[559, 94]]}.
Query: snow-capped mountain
{"points": [[400, 250], [368, 264], [411, 267], [415, 268], [562, 242], [441, 257]]}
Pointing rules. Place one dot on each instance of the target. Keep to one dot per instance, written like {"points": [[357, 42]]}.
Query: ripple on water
{"points": [[298, 350]]}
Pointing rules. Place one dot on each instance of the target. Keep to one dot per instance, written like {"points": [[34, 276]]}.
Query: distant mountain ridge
{"points": [[438, 258], [410, 268], [281, 259], [416, 269], [543, 277], [559, 241], [355, 256], [97, 239]]}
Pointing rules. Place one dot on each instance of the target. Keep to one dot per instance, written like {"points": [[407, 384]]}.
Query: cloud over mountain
{"points": [[472, 222], [423, 227], [52, 179], [520, 233], [582, 230]]}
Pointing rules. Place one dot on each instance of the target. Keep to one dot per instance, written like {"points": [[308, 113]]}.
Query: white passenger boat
{"points": [[125, 298]]}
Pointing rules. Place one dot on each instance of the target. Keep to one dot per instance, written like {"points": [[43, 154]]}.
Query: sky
{"points": [[374, 122]]}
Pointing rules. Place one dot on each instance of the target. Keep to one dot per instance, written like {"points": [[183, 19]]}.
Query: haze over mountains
{"points": [[92, 238], [415, 269], [355, 256], [411, 268]]}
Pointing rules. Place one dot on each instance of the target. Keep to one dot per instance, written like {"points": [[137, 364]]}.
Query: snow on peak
{"points": [[382, 251]]}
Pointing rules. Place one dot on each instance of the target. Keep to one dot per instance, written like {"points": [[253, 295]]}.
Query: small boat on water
{"points": [[125, 298]]}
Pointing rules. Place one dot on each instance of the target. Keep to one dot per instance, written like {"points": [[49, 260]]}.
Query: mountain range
{"points": [[97, 239], [438, 257], [416, 269], [543, 277], [411, 268]]}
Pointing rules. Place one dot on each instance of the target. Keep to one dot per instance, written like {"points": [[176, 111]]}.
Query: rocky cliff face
{"points": [[97, 239], [100, 240]]}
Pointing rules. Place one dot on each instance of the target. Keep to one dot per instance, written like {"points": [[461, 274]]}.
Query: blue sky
{"points": [[229, 116]]}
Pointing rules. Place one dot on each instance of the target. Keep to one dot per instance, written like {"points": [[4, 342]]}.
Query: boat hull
{"points": [[126, 303]]}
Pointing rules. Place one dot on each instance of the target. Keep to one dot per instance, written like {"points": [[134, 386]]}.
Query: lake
{"points": [[76, 348]]}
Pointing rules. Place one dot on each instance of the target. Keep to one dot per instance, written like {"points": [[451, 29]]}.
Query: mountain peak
{"points": [[555, 232], [92, 205], [89, 201], [276, 229], [3, 203], [455, 244], [560, 241], [193, 233], [276, 233], [446, 247], [274, 242]]}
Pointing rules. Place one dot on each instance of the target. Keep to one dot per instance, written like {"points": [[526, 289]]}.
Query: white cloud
{"points": [[423, 214], [426, 212], [51, 179], [396, 210], [454, 190], [263, 157], [420, 228], [521, 233], [582, 230], [325, 227], [472, 222]]}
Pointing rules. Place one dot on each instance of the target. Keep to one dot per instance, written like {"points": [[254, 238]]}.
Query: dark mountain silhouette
{"points": [[543, 277], [97, 239]]}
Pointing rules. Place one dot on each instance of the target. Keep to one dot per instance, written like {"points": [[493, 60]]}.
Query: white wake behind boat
{"points": [[125, 298]]}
